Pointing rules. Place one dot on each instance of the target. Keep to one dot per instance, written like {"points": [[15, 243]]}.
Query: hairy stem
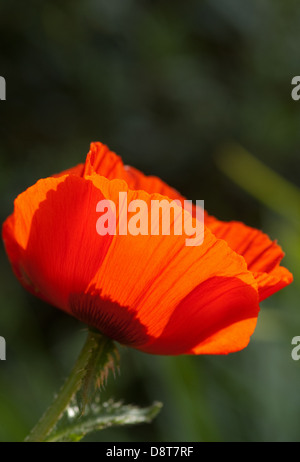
{"points": [[94, 345]]}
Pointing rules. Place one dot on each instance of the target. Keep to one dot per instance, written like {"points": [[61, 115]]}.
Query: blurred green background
{"points": [[166, 84]]}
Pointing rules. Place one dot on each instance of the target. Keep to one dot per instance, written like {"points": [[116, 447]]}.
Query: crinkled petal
{"points": [[51, 238], [152, 278], [262, 256]]}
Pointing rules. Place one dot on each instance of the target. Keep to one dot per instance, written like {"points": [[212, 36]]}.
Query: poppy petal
{"points": [[106, 163], [51, 240], [262, 256], [217, 317], [147, 290], [153, 275]]}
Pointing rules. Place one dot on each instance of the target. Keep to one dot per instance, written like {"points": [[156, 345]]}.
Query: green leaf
{"points": [[74, 426]]}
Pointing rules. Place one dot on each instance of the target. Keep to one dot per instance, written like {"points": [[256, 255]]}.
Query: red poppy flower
{"points": [[152, 293]]}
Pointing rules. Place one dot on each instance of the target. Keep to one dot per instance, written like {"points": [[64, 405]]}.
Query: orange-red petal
{"points": [[262, 256], [150, 292], [51, 238], [106, 163], [153, 277], [223, 311]]}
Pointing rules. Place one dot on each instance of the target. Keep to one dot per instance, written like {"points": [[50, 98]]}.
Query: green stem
{"points": [[95, 344]]}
